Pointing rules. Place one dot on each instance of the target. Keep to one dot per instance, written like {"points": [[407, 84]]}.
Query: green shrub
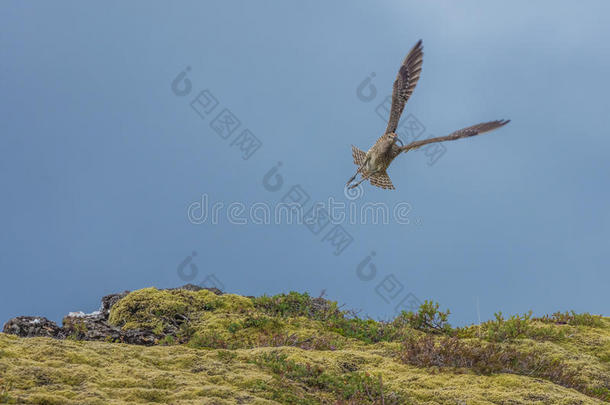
{"points": [[355, 387], [515, 327], [263, 323], [167, 340], [500, 329], [234, 327], [550, 333], [208, 341], [226, 356], [574, 319], [317, 342], [486, 358], [295, 304], [366, 330], [427, 319]]}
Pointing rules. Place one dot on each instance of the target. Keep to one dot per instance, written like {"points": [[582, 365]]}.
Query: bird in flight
{"points": [[372, 165]]}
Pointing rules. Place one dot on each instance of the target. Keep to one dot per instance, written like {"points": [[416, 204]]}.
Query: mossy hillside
{"points": [[47, 371], [568, 349], [295, 349], [204, 319]]}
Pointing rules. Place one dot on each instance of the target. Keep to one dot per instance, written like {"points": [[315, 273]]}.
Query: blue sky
{"points": [[100, 159]]}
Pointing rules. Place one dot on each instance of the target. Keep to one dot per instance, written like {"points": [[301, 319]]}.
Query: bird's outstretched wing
{"points": [[405, 82], [358, 155], [461, 133]]}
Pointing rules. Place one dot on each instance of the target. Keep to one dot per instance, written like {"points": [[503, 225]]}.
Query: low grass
{"points": [[296, 349]]}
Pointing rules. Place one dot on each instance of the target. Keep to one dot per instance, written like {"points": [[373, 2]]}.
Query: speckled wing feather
{"points": [[382, 180], [358, 156], [405, 82], [461, 133]]}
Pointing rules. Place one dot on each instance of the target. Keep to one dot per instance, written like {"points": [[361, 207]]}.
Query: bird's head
{"points": [[392, 138]]}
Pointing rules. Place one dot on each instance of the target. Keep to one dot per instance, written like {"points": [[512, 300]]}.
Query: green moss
{"points": [[295, 349], [147, 395], [358, 387], [160, 309]]}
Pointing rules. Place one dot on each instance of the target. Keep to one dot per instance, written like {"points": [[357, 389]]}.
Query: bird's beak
{"points": [[398, 140]]}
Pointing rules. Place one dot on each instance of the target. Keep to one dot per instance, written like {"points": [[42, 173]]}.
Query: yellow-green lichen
{"points": [[294, 349]]}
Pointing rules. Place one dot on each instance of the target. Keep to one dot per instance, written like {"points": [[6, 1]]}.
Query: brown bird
{"points": [[372, 165]]}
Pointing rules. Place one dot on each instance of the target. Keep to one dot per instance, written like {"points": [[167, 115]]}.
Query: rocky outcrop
{"points": [[32, 326], [108, 301], [93, 326], [193, 287]]}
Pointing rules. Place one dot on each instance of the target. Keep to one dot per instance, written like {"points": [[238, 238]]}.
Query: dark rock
{"points": [[31, 326], [108, 301], [139, 337], [93, 326], [214, 290], [190, 287], [193, 287], [89, 327]]}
